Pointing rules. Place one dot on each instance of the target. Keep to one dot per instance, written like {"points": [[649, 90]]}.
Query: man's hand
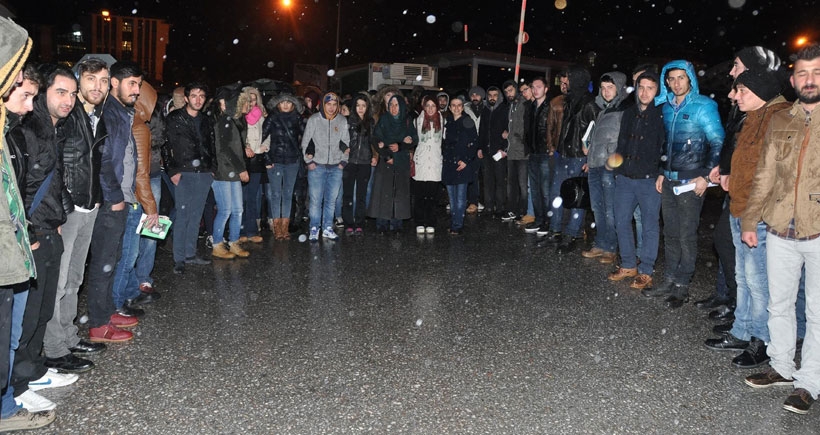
{"points": [[714, 175], [60, 230], [749, 238], [175, 178], [249, 152], [585, 168], [374, 161], [408, 140], [244, 177], [269, 166], [311, 166], [659, 184], [151, 220], [390, 161], [394, 147], [724, 182], [35, 245], [121, 205], [461, 166], [309, 156], [700, 186], [505, 134]]}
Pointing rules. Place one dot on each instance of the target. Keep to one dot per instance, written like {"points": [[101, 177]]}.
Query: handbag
{"points": [[575, 192]]}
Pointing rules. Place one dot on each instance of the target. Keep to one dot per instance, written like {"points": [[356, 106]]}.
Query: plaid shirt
{"points": [[791, 234]]}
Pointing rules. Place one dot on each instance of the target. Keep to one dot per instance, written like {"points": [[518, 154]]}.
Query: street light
{"points": [[287, 3], [801, 41]]}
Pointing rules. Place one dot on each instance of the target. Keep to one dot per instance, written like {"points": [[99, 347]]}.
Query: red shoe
{"points": [[121, 321], [109, 334]]}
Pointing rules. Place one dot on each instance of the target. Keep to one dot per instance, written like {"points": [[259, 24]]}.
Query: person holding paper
{"points": [[492, 139]]}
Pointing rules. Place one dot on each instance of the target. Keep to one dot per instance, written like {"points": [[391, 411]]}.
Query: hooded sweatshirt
{"points": [[604, 139], [326, 135], [694, 134]]}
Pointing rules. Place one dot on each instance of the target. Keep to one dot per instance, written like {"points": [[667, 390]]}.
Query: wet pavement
{"points": [[476, 334]]}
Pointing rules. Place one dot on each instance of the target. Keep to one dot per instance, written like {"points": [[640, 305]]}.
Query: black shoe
{"points": [[753, 356], [131, 311], [140, 300], [712, 303], [567, 245], [508, 217], [197, 261], [727, 342], [659, 292], [531, 228], [544, 230], [679, 296], [179, 267], [69, 364], [84, 348], [722, 329], [722, 314]]}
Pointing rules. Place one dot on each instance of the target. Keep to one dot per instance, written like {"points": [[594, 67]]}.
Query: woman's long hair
{"points": [[434, 120], [362, 125]]}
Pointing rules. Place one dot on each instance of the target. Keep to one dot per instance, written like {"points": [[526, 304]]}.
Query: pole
{"points": [[520, 39], [338, 22]]}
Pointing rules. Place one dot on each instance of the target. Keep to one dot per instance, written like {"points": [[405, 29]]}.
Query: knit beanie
{"points": [[477, 90], [15, 46], [763, 83], [758, 58]]}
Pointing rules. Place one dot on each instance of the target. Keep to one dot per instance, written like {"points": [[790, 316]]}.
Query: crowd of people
{"points": [[86, 155]]}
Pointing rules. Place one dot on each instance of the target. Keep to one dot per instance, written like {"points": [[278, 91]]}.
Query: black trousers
{"points": [[6, 303], [105, 251], [354, 177], [722, 239], [495, 184], [28, 363], [424, 206], [517, 179]]}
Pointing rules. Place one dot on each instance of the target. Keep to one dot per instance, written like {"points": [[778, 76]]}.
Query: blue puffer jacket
{"points": [[694, 134]]}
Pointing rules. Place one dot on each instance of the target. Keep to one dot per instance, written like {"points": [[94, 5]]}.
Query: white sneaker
{"points": [[34, 402], [419, 229], [329, 234], [430, 230], [480, 207], [53, 379]]}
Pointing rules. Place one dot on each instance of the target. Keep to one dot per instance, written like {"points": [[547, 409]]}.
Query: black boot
{"points": [[679, 296], [661, 291], [753, 356]]}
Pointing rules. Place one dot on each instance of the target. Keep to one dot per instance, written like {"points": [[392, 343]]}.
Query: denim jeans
{"points": [[8, 406], [458, 205], [538, 171], [148, 248], [681, 217], [250, 202], [105, 250], [191, 194], [751, 317], [323, 187], [602, 200], [566, 167], [281, 180], [128, 258], [61, 332], [629, 194], [786, 262], [638, 228], [228, 195]]}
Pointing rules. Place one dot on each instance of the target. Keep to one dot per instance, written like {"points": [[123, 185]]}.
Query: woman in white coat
{"points": [[427, 161]]}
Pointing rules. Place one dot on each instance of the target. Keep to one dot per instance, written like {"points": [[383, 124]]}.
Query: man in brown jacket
{"points": [[786, 196]]}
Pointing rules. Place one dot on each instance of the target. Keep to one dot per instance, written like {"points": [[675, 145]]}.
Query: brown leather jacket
{"points": [[747, 152], [144, 107], [786, 186]]}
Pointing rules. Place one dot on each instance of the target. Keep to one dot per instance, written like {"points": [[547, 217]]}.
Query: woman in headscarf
{"points": [[460, 149], [254, 162], [396, 139], [427, 158]]}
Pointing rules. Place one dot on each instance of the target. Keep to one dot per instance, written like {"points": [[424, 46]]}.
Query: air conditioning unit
{"points": [[410, 74]]}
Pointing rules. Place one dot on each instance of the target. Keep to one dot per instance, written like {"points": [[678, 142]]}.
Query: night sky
{"points": [[224, 41]]}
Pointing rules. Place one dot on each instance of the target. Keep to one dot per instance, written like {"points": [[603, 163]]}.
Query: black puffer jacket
{"points": [[361, 139], [285, 133], [191, 150], [81, 158], [535, 127], [494, 121], [45, 142], [579, 110]]}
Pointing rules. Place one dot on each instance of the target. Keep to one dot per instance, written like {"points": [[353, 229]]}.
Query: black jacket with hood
{"points": [[579, 110], [494, 121], [283, 131]]}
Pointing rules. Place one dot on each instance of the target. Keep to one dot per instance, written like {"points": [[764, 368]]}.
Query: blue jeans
{"points": [[191, 194], [8, 406], [566, 167], [323, 187], [751, 317], [250, 200], [128, 259], [228, 195], [638, 228], [681, 217], [602, 200], [538, 173], [629, 194], [148, 247], [458, 204], [281, 180]]}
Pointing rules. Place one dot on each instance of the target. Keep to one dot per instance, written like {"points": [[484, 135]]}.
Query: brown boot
{"points": [[237, 250], [277, 229], [221, 251], [285, 225]]}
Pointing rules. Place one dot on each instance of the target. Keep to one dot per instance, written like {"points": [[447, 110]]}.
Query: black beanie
{"points": [[758, 58], [764, 84]]}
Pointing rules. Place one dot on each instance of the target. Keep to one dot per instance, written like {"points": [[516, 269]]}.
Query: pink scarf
{"points": [[254, 115]]}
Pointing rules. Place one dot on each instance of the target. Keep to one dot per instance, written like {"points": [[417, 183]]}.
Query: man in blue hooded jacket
{"points": [[694, 138]]}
